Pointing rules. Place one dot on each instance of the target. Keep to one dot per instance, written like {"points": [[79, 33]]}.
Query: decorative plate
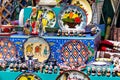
{"points": [[37, 47], [48, 16], [86, 6], [7, 50], [99, 63], [7, 30], [74, 52], [73, 75], [46, 2], [28, 76], [72, 18]]}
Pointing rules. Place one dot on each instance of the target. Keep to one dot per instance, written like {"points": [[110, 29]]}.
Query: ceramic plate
{"points": [[73, 75], [7, 30], [74, 52], [37, 47], [48, 16], [99, 63], [86, 6], [7, 50], [46, 2], [72, 18], [28, 76]]}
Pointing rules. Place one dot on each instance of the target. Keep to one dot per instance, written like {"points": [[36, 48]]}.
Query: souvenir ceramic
{"points": [[99, 63], [66, 33], [0, 65], [98, 71], [28, 76], [27, 27], [88, 70], [103, 71], [114, 72], [7, 30], [46, 2], [37, 47], [72, 18], [42, 16], [108, 72], [46, 69], [30, 63], [59, 33], [11, 66], [85, 6], [3, 66], [41, 68], [93, 71], [15, 67], [23, 67], [50, 70], [7, 50], [116, 61], [78, 56], [36, 68], [73, 75], [55, 69]]}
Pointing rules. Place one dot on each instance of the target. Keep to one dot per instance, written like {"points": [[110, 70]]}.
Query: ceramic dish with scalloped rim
{"points": [[86, 6], [28, 76], [73, 75], [72, 18], [48, 16]]}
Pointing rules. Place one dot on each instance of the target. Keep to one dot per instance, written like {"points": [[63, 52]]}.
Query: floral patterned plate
{"points": [[45, 15], [86, 6], [37, 47], [73, 75], [28, 76], [72, 18], [48, 18]]}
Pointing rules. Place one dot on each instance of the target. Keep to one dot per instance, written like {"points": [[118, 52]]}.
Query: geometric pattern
{"points": [[74, 51], [7, 50], [56, 45]]}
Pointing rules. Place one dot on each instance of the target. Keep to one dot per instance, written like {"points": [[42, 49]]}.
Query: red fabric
{"points": [[103, 48], [106, 44]]}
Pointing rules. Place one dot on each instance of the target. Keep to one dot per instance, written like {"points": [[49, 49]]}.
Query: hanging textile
{"points": [[107, 12]]}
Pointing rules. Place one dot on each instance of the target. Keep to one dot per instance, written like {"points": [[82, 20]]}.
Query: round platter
{"points": [[99, 63], [47, 15], [7, 50], [74, 52], [73, 75], [37, 47], [72, 18], [28, 76], [86, 6]]}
